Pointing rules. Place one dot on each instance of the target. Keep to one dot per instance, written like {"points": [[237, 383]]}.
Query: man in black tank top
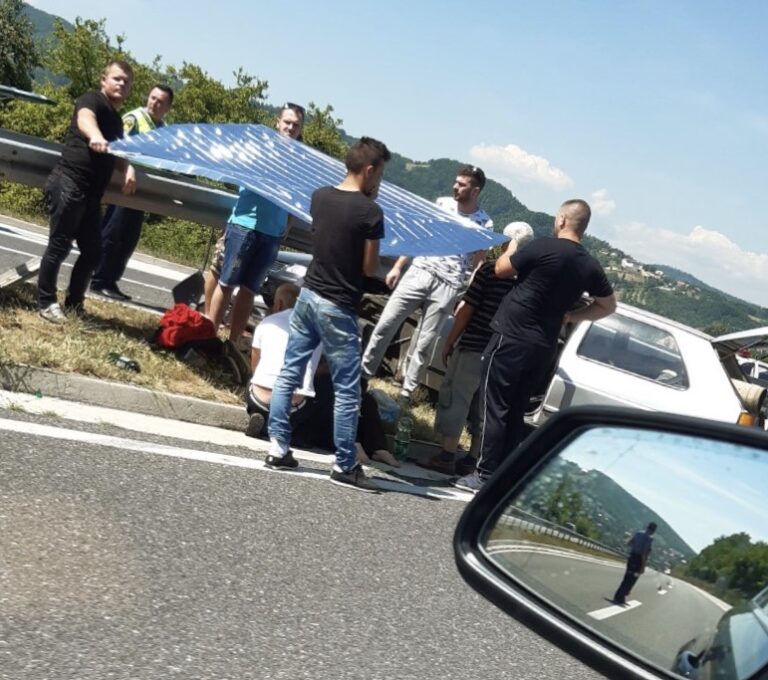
{"points": [[552, 274]]}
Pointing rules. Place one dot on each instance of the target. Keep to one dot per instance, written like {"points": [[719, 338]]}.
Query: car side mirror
{"points": [[635, 541]]}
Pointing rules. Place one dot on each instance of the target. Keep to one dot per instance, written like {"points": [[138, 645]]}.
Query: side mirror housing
{"points": [[635, 541]]}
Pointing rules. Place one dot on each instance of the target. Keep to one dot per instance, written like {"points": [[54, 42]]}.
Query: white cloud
{"points": [[511, 163], [708, 255], [602, 203]]}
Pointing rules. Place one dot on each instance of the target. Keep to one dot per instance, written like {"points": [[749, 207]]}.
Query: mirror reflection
{"points": [[655, 540]]}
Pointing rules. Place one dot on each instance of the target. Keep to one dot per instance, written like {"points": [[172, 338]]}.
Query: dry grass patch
{"points": [[83, 347]]}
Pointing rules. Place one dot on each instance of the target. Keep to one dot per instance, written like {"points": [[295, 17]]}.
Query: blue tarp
{"points": [[286, 172]]}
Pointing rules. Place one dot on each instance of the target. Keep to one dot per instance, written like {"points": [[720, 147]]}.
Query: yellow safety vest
{"points": [[138, 121]]}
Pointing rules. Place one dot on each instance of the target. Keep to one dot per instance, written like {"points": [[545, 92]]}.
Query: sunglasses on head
{"points": [[294, 107]]}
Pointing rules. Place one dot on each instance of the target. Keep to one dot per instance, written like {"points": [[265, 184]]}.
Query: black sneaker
{"points": [[255, 425], [286, 462], [466, 465], [441, 462], [111, 292], [354, 479]]}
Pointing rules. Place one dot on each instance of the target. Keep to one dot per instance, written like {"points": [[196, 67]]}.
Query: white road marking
{"points": [[613, 610], [133, 263], [515, 546], [144, 447]]}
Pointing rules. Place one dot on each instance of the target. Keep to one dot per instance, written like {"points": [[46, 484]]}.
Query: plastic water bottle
{"points": [[403, 435], [122, 361]]}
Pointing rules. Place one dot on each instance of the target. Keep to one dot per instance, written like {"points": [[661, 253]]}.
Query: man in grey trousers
{"points": [[431, 284]]}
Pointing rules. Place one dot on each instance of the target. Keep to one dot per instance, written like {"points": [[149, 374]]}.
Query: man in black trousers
{"points": [[552, 274], [639, 550]]}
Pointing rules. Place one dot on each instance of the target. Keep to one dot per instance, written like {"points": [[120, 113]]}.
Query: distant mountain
{"points": [[691, 301], [42, 22], [679, 275], [612, 510]]}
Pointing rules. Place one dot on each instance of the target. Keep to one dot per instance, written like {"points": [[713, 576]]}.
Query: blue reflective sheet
{"points": [[287, 172]]}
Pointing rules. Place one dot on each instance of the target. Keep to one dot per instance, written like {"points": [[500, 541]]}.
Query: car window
{"points": [[639, 348]]}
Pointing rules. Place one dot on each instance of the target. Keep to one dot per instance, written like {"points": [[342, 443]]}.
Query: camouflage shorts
{"points": [[218, 257]]}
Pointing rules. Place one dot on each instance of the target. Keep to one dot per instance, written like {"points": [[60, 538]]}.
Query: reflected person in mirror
{"points": [[639, 551], [552, 274]]}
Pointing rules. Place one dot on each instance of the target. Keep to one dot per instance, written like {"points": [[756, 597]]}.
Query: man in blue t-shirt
{"points": [[252, 238], [552, 274], [639, 550]]}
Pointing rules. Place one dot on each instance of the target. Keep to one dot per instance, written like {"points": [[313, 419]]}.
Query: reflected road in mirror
{"points": [[657, 541]]}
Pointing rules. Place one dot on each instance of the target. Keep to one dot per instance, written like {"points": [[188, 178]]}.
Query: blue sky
{"points": [[656, 112], [702, 489]]}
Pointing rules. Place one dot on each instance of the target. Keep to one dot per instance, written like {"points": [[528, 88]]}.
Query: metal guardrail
{"points": [[29, 160], [517, 517]]}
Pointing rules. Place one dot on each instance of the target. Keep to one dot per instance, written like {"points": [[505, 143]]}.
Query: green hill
{"points": [[42, 22], [609, 510]]}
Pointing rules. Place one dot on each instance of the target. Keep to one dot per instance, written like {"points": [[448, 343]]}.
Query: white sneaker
{"points": [[54, 313], [470, 482]]}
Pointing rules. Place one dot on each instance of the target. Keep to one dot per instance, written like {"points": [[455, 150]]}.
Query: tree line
{"points": [[71, 60]]}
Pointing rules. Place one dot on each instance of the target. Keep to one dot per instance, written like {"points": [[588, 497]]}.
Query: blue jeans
{"points": [[248, 255], [314, 320]]}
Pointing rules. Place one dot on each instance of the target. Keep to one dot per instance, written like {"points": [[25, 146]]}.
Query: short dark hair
{"points": [[164, 88], [651, 527], [367, 151], [298, 109], [121, 64], [474, 173], [578, 211]]}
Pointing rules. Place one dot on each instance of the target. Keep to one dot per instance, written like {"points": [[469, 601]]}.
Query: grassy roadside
{"points": [[83, 347]]}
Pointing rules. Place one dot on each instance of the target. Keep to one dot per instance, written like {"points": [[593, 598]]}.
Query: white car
{"points": [[638, 359]]}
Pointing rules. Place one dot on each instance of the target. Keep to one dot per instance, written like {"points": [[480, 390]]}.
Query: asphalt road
{"points": [[663, 613], [128, 561], [149, 281]]}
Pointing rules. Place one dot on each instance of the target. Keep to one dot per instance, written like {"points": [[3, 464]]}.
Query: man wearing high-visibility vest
{"points": [[121, 228]]}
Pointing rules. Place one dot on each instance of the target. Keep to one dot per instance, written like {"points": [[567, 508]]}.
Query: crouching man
{"points": [[270, 340]]}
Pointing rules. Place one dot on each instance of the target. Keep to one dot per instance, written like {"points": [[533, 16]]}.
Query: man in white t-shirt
{"points": [[267, 354], [431, 284]]}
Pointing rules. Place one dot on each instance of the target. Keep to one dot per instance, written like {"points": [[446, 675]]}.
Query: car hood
{"points": [[733, 342]]}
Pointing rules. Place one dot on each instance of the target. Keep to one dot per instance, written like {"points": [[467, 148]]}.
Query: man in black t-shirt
{"points": [[75, 187], [552, 274], [347, 226]]}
